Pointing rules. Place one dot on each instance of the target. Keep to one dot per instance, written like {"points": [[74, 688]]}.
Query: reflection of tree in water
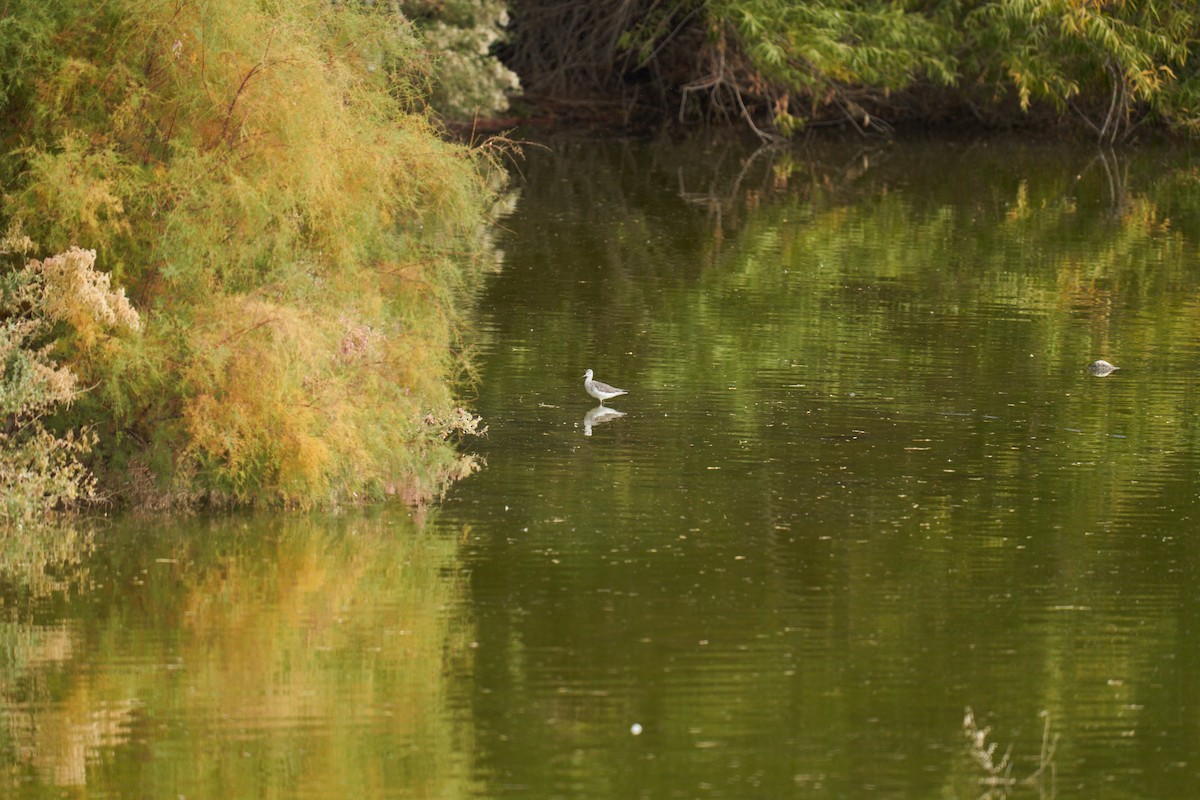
{"points": [[40, 566], [903, 334], [202, 641], [1001, 778], [41, 561]]}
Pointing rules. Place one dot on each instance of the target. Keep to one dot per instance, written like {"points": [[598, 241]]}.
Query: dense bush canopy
{"points": [[780, 65], [289, 227]]}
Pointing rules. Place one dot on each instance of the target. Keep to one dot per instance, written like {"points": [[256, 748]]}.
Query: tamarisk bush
{"points": [[41, 470], [265, 181]]}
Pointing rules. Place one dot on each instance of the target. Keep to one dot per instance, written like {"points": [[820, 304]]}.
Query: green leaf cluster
{"points": [[1117, 58], [1112, 64], [812, 47], [293, 230]]}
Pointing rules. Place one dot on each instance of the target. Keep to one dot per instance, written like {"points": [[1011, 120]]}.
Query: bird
{"points": [[1101, 368], [598, 390]]}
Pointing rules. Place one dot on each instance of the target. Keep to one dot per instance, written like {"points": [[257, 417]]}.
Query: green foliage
{"points": [[813, 47], [1118, 56], [254, 174], [1114, 57], [820, 52], [1111, 64]]}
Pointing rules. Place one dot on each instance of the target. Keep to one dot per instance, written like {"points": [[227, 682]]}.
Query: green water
{"points": [[863, 481]]}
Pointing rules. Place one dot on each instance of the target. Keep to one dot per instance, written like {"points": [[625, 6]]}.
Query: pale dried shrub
{"points": [[40, 469], [73, 291]]}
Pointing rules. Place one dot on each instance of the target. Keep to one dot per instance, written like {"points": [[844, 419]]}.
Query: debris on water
{"points": [[1101, 368], [635, 729]]}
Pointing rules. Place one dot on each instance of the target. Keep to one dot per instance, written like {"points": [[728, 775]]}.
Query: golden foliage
{"points": [[246, 168], [76, 187], [250, 418]]}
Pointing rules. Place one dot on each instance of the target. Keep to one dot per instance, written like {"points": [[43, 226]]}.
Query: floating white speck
{"points": [[635, 729]]}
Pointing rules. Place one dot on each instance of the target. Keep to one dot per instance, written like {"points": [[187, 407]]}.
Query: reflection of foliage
{"points": [[998, 780], [313, 657], [884, 353], [41, 561]]}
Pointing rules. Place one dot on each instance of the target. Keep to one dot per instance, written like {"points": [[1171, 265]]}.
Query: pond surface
{"points": [[862, 481]]}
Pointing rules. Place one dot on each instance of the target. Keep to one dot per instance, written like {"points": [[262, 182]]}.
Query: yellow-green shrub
{"points": [[253, 173]]}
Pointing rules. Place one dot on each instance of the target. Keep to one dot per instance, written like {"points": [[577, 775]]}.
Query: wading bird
{"points": [[598, 390]]}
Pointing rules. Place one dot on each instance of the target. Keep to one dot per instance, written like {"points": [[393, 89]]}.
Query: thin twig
{"points": [[261, 65], [240, 333], [766, 137]]}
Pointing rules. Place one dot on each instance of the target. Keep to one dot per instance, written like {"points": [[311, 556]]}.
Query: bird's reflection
{"points": [[1102, 368], [597, 415]]}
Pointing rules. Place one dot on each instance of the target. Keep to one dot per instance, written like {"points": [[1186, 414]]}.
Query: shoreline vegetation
{"points": [[238, 239], [263, 186], [1100, 70]]}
